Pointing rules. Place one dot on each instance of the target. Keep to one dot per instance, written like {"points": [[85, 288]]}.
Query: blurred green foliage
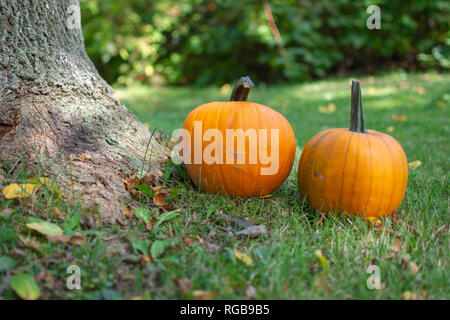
{"points": [[206, 41]]}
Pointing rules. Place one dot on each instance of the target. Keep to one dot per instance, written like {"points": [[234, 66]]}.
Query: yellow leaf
{"points": [[322, 261], [330, 109], [414, 164], [400, 117], [441, 104], [23, 190], [266, 196], [224, 90], [243, 257], [46, 228], [204, 295], [25, 287], [390, 129]]}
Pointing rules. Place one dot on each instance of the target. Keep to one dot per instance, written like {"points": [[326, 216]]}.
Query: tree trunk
{"points": [[57, 114]]}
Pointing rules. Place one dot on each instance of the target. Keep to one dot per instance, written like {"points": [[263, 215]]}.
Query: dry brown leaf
{"points": [[184, 284], [149, 225], [397, 245], [6, 212], [31, 242], [159, 198], [188, 241], [413, 268], [145, 259], [58, 214], [420, 90], [76, 240], [250, 292], [158, 188], [148, 178], [204, 295]]}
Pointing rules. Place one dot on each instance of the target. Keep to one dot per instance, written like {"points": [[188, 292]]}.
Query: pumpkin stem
{"points": [[357, 123], [241, 89]]}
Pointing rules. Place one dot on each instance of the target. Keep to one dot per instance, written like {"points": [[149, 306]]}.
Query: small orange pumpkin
{"points": [[354, 170], [239, 138]]}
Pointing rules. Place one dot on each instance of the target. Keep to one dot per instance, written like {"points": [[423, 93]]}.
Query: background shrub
{"points": [[203, 42]]}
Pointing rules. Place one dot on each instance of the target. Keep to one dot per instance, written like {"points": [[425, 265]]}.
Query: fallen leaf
{"points": [[25, 286], [399, 117], [441, 104], [397, 245], [6, 212], [188, 241], [184, 284], [23, 190], [250, 292], [253, 231], [150, 223], [159, 198], [390, 129], [158, 188], [225, 89], [145, 259], [330, 109], [148, 178], [322, 282], [77, 239], [420, 90], [29, 242], [46, 228], [210, 246], [322, 260], [414, 164], [204, 295], [243, 257], [413, 267], [266, 196], [409, 295], [58, 214]]}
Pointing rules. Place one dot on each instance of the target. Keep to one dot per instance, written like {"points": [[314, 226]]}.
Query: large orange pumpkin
{"points": [[239, 166], [354, 170]]}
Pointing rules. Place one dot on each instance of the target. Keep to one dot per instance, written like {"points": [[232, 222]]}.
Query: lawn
{"points": [[191, 247]]}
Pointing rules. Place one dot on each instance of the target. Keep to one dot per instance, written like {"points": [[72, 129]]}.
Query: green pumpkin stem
{"points": [[241, 89], [357, 123]]}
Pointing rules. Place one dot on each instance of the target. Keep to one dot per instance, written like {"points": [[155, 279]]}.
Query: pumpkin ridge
{"points": [[331, 139], [370, 180], [343, 169], [258, 177], [393, 169], [222, 177], [312, 153], [355, 169]]}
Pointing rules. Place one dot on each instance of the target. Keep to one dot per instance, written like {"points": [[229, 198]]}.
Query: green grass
{"points": [[284, 262]]}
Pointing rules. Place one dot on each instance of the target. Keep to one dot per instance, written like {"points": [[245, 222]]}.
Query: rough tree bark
{"points": [[57, 113]]}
